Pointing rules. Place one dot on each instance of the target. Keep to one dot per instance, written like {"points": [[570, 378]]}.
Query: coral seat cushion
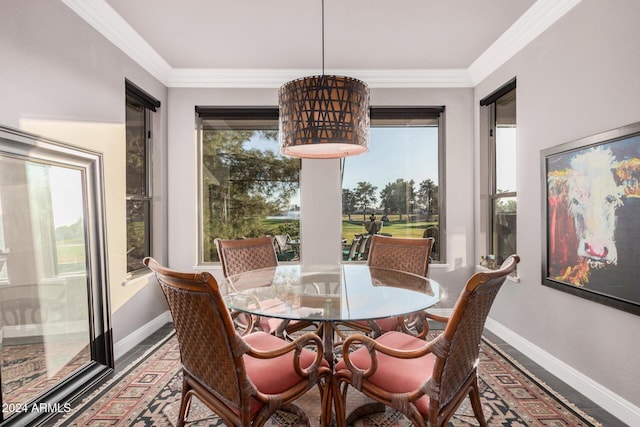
{"points": [[386, 324], [274, 306], [396, 375], [272, 376]]}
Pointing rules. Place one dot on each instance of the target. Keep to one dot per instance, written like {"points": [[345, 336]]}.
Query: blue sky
{"points": [[407, 152], [400, 152]]}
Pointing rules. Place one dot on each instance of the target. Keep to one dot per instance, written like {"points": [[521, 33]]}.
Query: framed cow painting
{"points": [[591, 204]]}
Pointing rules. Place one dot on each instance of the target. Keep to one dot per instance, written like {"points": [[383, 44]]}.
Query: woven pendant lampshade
{"points": [[323, 117]]}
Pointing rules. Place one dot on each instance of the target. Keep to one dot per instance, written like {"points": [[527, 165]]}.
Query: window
{"points": [[247, 188], [502, 177], [140, 108], [396, 186]]}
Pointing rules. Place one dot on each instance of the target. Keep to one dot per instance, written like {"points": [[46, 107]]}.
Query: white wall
{"points": [[578, 78], [60, 79]]}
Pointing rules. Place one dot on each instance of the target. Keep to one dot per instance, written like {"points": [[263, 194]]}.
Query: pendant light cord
{"points": [[323, 37]]}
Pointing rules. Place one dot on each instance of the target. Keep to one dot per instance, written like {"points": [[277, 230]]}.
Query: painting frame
{"points": [[590, 199]]}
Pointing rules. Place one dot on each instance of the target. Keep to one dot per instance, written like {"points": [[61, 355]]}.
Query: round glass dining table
{"points": [[329, 293]]}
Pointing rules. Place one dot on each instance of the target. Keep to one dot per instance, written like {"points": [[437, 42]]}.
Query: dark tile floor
{"points": [[140, 349], [605, 418]]}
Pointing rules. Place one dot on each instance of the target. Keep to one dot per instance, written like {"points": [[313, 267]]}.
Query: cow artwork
{"points": [[593, 214]]}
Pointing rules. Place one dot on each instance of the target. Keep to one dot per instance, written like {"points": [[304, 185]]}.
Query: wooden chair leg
{"points": [[340, 403], [476, 404], [327, 403], [185, 402]]}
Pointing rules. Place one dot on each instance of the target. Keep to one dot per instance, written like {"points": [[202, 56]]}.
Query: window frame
{"points": [[382, 113], [140, 99], [269, 113], [249, 113], [490, 102]]}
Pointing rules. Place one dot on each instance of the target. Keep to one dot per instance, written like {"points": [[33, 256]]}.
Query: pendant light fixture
{"points": [[324, 117]]}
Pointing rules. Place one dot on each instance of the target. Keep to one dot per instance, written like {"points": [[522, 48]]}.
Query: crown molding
{"points": [[274, 78], [102, 17], [411, 78], [233, 78], [540, 16]]}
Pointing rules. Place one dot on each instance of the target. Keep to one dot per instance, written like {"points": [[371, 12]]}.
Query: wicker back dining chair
{"points": [[410, 255], [397, 253], [241, 255], [424, 380], [244, 380]]}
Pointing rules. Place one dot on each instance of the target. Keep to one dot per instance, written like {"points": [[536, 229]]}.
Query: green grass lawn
{"points": [[71, 257], [70, 252], [395, 226]]}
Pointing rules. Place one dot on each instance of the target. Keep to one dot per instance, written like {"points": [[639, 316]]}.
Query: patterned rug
{"points": [[147, 393], [28, 370]]}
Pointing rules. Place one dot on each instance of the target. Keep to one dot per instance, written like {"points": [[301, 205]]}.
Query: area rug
{"points": [[28, 370], [147, 393]]}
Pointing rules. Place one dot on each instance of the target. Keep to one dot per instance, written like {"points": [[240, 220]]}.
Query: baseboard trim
{"points": [[605, 398], [136, 337]]}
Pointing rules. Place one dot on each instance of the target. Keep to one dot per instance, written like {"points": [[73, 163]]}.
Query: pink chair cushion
{"points": [[271, 324], [275, 306], [387, 324], [396, 375], [271, 376]]}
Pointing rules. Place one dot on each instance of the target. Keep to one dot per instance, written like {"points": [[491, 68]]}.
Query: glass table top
{"points": [[329, 292]]}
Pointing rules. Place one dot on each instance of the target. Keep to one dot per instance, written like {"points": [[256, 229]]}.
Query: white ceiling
{"points": [[264, 43]]}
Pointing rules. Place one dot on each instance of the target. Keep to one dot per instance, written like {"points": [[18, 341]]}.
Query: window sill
{"points": [[141, 275]]}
